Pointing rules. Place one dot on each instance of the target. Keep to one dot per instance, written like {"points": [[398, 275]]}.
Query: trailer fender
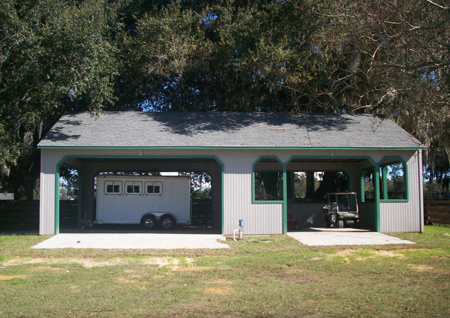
{"points": [[157, 215]]}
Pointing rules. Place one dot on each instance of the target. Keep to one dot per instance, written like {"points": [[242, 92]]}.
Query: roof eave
{"points": [[421, 147]]}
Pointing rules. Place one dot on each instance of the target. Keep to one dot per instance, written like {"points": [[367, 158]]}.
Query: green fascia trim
{"points": [[61, 162], [233, 148]]}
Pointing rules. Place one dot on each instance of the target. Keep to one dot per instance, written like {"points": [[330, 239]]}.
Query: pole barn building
{"points": [[263, 165]]}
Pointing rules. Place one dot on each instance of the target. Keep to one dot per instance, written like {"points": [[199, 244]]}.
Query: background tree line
{"points": [[378, 56]]}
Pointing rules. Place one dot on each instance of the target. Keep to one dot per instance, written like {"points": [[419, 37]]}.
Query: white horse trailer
{"points": [[143, 200]]}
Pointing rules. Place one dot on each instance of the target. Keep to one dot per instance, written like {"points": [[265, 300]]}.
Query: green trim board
{"points": [[377, 195], [61, 162]]}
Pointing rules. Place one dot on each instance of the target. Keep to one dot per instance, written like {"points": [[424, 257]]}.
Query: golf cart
{"points": [[342, 210]]}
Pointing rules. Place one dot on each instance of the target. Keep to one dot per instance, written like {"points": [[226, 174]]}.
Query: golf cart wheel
{"points": [[148, 222], [358, 224], [341, 224], [167, 222]]}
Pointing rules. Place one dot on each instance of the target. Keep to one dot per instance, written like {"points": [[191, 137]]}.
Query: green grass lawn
{"points": [[272, 276]]}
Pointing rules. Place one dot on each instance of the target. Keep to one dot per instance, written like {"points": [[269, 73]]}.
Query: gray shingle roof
{"points": [[228, 130]]}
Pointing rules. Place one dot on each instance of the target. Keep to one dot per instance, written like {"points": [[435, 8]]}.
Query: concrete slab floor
{"points": [[133, 241], [345, 236]]}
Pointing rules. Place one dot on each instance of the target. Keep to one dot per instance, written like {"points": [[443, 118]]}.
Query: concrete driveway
{"points": [[345, 236], [311, 237], [134, 241]]}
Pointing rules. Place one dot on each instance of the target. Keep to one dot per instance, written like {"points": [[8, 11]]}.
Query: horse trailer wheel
{"points": [[167, 222], [148, 222]]}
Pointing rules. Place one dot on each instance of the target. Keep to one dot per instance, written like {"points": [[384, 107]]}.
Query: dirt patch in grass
{"points": [[123, 280], [216, 291], [378, 254], [191, 269], [86, 262], [171, 263], [349, 255], [421, 268], [9, 277], [219, 282], [221, 286], [47, 268]]}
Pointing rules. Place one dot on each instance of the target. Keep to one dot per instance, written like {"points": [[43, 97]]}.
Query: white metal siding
{"points": [[405, 216], [47, 192], [260, 218]]}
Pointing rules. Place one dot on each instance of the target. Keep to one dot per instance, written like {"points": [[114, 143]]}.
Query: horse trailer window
{"points": [[133, 187], [113, 188], [153, 188]]}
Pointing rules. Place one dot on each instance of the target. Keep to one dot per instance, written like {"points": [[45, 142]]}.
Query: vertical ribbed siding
{"points": [[260, 218], [405, 216], [421, 203], [47, 192]]}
